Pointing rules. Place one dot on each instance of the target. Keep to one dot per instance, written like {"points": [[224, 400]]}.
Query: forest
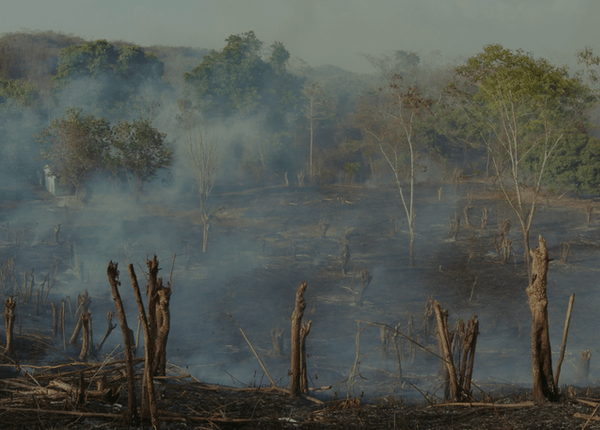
{"points": [[422, 218]]}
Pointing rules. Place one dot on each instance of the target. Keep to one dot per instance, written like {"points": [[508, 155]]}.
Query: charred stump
{"points": [[468, 336], [541, 352], [86, 346], [149, 404], [159, 318], [365, 278], [84, 305], [277, 341], [9, 324], [304, 331], [445, 349], [345, 256], [297, 341], [113, 279]]}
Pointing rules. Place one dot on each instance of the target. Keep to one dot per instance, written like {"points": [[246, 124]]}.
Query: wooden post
{"points": [[295, 386], [113, 279], [9, 324], [541, 352], [442, 317], [149, 405]]}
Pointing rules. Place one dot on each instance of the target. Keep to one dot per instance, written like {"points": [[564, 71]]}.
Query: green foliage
{"points": [[140, 149], [21, 93], [75, 146], [575, 165], [238, 80], [112, 76]]}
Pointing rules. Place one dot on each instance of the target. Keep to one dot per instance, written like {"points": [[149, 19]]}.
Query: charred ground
{"points": [[263, 245]]}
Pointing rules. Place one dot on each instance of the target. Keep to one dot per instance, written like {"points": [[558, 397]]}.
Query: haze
{"points": [[329, 32]]}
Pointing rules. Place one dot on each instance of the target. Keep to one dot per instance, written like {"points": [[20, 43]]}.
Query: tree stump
{"points": [[113, 279], [9, 324], [583, 369], [297, 357], [541, 352]]}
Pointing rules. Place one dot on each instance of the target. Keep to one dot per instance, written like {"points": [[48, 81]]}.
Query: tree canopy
{"points": [[111, 76], [238, 80]]}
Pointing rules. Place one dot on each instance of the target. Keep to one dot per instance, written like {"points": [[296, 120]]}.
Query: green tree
{"points": [[111, 76], [238, 81], [140, 150], [521, 107], [75, 146]]}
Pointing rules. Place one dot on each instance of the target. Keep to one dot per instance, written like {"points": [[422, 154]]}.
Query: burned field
{"points": [[351, 247]]}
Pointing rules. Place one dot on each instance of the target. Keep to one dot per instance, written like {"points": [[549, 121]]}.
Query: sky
{"points": [[326, 31]]}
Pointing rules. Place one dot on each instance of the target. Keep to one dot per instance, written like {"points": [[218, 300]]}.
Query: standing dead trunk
{"points": [[86, 344], [84, 305], [163, 320], [9, 324], [304, 331], [113, 279], [206, 229], [543, 381], [277, 341], [159, 318], [469, 339], [149, 405], [295, 386], [442, 326]]}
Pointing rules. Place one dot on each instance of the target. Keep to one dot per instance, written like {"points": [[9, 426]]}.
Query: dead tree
{"points": [[277, 340], [149, 405], [109, 316], [9, 324], [345, 255], [86, 346], [468, 335], [446, 350], [365, 278], [113, 279], [299, 333], [304, 331], [543, 381], [159, 319], [84, 305]]}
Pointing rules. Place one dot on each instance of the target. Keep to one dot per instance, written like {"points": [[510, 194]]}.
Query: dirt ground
{"points": [[263, 244]]}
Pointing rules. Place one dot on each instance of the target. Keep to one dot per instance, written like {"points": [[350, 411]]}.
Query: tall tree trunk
{"points": [[205, 236], [411, 248], [543, 381]]}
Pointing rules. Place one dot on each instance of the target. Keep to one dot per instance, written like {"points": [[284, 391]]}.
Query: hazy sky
{"points": [[325, 31]]}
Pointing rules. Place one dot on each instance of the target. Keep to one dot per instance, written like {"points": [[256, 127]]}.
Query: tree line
{"points": [[323, 124]]}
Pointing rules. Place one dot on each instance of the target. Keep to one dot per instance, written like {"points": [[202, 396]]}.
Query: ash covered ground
{"points": [[265, 242]]}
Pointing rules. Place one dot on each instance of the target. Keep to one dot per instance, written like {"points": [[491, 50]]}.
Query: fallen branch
{"points": [[252, 348]]}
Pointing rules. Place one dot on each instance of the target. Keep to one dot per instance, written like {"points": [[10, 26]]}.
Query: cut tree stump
{"points": [[113, 279], [9, 324], [541, 352], [299, 333]]}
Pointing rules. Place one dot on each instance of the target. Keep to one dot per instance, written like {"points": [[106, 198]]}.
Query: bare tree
{"points": [[318, 108], [391, 124], [203, 161]]}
